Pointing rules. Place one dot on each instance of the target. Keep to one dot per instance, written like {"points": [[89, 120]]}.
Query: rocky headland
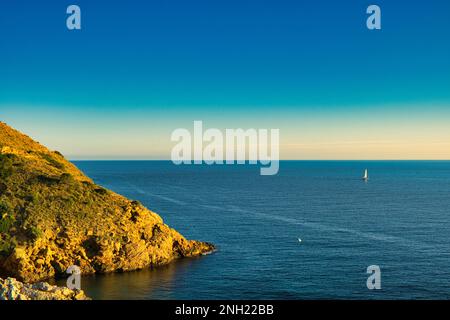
{"points": [[52, 216]]}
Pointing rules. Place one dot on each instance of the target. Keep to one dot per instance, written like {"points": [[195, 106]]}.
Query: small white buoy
{"points": [[299, 240]]}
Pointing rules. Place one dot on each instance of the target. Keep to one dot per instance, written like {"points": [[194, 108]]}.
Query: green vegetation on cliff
{"points": [[53, 216]]}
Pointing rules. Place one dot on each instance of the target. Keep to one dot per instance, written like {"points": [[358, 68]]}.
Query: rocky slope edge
{"points": [[52, 216]]}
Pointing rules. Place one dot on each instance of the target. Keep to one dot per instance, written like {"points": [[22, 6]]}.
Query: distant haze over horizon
{"points": [[281, 160], [136, 71]]}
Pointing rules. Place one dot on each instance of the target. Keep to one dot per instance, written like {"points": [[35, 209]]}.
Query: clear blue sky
{"points": [[144, 68]]}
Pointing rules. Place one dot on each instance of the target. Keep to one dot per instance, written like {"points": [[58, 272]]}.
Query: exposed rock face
{"points": [[11, 289], [52, 216]]}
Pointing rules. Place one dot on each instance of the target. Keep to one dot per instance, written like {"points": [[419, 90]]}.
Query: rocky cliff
{"points": [[52, 216]]}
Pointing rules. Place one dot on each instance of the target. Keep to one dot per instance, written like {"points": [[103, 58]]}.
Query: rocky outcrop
{"points": [[52, 216], [11, 289]]}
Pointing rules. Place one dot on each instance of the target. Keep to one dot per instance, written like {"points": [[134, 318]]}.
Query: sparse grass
{"points": [[33, 197], [6, 166], [55, 163], [7, 246], [6, 224], [4, 208], [6, 219], [67, 178], [34, 232]]}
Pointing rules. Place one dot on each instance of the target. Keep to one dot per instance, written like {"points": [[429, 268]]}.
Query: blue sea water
{"points": [[398, 220]]}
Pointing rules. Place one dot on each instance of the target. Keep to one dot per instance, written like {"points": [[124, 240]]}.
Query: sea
{"points": [[309, 232]]}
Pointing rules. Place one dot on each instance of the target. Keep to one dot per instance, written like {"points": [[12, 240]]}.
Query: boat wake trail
{"points": [[326, 228], [411, 244], [172, 200]]}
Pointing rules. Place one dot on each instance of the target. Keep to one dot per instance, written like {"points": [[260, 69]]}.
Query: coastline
{"points": [[54, 217]]}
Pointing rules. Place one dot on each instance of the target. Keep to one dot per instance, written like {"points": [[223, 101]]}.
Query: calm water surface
{"points": [[399, 220]]}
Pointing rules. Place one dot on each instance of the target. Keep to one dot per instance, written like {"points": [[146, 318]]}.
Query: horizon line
{"points": [[169, 160]]}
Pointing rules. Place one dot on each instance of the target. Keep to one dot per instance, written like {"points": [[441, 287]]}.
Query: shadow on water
{"points": [[151, 283]]}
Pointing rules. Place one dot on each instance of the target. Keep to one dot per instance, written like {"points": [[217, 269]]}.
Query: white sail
{"points": [[366, 175]]}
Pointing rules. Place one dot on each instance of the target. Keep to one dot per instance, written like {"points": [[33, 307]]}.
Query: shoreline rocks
{"points": [[11, 289]]}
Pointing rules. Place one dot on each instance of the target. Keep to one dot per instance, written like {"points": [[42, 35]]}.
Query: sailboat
{"points": [[366, 175]]}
